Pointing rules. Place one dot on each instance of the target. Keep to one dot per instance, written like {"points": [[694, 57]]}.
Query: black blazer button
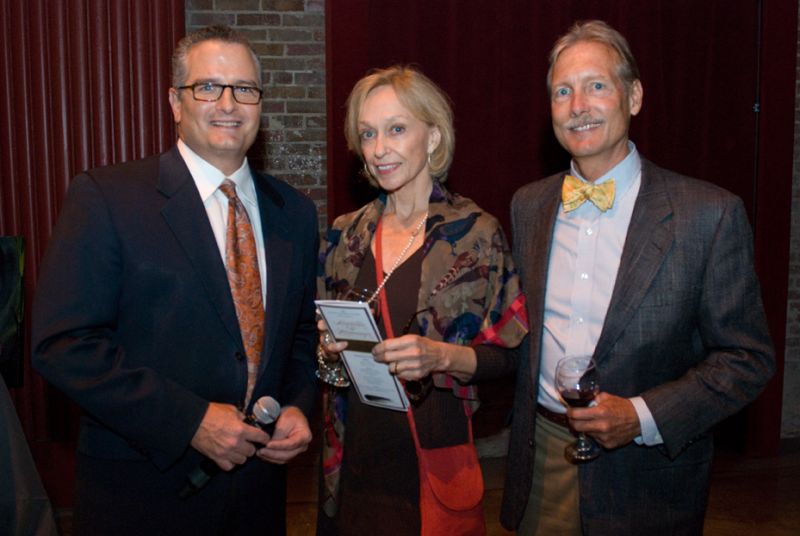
{"points": [[240, 356], [530, 443]]}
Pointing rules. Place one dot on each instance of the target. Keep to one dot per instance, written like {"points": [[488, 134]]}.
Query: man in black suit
{"points": [[650, 273], [135, 318]]}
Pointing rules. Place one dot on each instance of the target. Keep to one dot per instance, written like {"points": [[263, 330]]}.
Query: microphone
{"points": [[266, 411]]}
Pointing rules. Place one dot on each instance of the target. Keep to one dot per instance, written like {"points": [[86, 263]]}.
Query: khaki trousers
{"points": [[553, 502]]}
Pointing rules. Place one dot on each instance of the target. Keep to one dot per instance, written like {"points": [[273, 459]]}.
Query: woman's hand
{"points": [[330, 367], [330, 349], [412, 357]]}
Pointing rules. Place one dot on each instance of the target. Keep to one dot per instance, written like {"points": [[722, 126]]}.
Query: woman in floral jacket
{"points": [[452, 288]]}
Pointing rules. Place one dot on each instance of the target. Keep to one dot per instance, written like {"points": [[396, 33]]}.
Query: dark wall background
{"points": [[718, 82]]}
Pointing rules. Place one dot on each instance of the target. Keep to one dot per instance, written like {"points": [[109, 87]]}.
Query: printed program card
{"points": [[353, 322]]}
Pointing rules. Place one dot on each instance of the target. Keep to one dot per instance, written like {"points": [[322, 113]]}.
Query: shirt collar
{"points": [[208, 178], [624, 174]]}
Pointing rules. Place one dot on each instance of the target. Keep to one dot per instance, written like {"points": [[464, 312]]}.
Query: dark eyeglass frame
{"points": [[407, 327], [222, 88], [417, 390]]}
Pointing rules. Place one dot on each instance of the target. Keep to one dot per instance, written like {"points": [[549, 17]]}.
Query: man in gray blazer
{"points": [[652, 276]]}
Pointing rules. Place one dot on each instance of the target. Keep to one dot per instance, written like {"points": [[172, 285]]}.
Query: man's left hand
{"points": [[291, 437], [613, 422]]}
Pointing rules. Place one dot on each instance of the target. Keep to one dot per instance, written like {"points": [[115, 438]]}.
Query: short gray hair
{"points": [[598, 31], [209, 33]]}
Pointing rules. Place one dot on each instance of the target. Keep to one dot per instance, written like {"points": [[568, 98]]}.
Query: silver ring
{"points": [[326, 338]]}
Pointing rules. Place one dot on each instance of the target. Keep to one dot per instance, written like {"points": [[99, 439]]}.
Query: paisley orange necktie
{"points": [[241, 258]]}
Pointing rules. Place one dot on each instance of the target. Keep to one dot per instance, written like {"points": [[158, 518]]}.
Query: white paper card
{"points": [[353, 322]]}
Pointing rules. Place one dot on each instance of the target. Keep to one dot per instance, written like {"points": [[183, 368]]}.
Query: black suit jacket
{"points": [[134, 319], [685, 329]]}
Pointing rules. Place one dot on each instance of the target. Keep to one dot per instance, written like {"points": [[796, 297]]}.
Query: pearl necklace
{"points": [[400, 257]]}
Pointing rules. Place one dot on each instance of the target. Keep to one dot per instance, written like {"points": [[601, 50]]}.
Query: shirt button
{"points": [[580, 320], [590, 231], [584, 276]]}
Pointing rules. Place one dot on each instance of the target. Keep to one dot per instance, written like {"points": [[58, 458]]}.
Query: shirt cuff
{"points": [[650, 435]]}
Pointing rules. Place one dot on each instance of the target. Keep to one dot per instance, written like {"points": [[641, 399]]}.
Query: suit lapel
{"points": [[650, 235], [536, 258], [186, 217], [279, 252]]}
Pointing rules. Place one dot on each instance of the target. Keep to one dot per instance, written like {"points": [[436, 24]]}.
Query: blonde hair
{"points": [[423, 98]]}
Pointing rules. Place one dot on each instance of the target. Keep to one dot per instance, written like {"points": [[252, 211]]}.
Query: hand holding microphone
{"points": [[292, 436], [266, 411], [228, 440]]}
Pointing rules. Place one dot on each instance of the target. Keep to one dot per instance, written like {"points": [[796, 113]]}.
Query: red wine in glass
{"points": [[576, 381], [579, 398]]}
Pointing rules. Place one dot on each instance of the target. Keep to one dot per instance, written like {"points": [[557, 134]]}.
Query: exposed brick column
{"points": [[289, 37]]}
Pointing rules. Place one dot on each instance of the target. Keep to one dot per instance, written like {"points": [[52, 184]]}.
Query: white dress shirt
{"points": [[584, 260], [208, 179]]}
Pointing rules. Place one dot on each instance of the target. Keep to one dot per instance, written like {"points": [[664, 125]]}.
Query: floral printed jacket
{"points": [[469, 288]]}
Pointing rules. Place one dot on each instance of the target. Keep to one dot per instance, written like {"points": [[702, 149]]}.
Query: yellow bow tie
{"points": [[575, 192]]}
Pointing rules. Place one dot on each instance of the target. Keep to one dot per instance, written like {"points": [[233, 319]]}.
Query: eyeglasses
{"points": [[407, 328], [417, 390], [211, 92]]}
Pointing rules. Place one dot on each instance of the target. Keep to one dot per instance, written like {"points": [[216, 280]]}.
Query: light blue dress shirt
{"points": [[584, 260]]}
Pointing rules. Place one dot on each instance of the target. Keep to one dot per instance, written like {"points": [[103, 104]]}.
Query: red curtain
{"points": [[706, 67], [84, 84]]}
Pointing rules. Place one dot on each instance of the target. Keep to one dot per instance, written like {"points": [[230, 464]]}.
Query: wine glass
{"points": [[332, 371], [576, 381], [363, 295]]}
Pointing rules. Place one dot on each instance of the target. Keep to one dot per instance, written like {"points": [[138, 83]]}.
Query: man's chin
{"points": [[580, 150], [228, 147]]}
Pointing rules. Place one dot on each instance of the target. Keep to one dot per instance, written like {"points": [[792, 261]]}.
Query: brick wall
{"points": [[791, 382], [289, 37]]}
